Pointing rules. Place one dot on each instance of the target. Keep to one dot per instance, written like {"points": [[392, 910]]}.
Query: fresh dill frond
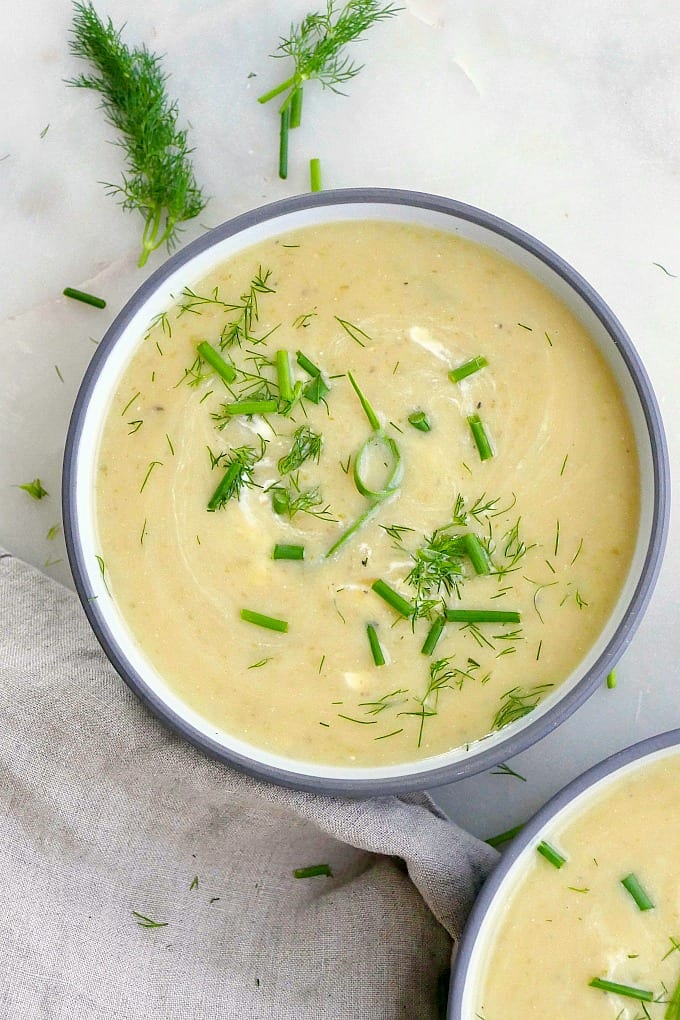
{"points": [[147, 922], [159, 181], [316, 46], [517, 703], [306, 446], [287, 501]]}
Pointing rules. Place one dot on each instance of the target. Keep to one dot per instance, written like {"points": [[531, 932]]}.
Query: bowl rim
{"points": [[485, 901], [419, 778]]}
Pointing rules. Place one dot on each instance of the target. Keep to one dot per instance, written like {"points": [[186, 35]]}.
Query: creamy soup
{"points": [[366, 493], [569, 932]]}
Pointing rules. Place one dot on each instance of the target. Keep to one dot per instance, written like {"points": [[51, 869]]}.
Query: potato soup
{"points": [[598, 937], [366, 493]]}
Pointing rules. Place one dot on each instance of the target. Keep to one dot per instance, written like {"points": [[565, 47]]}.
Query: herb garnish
{"points": [[316, 46], [146, 922], [240, 464], [306, 445], [313, 871], [34, 489], [160, 181], [87, 299]]}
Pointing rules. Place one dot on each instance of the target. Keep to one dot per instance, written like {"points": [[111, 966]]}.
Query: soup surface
{"points": [[511, 490], [565, 927]]}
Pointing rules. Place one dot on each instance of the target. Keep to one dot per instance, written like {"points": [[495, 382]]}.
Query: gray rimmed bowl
{"points": [[192, 263], [567, 805]]}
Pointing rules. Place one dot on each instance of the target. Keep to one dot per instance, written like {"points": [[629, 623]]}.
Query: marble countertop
{"points": [[560, 118]]}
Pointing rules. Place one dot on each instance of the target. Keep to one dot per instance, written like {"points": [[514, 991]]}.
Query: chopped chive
{"points": [[296, 107], [393, 598], [420, 421], [551, 854], [283, 376], [87, 299], [632, 885], [313, 870], [226, 371], [504, 837], [468, 368], [611, 680], [529, 328], [374, 642], [480, 436], [641, 994], [251, 407], [309, 366], [260, 620], [224, 489], [288, 552], [482, 616], [368, 410], [283, 143], [315, 175], [434, 633], [477, 553]]}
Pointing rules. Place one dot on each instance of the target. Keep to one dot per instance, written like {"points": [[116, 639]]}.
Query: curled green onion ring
{"points": [[395, 470]]}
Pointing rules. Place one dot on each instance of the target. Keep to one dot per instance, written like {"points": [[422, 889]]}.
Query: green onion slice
{"points": [[260, 620], [87, 299], [420, 421], [483, 616], [468, 368], [316, 390], [480, 436], [433, 636], [632, 885], [642, 994], [393, 598], [288, 552], [378, 442], [216, 361], [251, 407], [313, 870], [309, 366], [551, 854], [283, 375], [315, 175], [479, 558], [374, 642]]}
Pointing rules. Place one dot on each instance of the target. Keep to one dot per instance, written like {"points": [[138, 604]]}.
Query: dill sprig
{"points": [[517, 703], [306, 445], [289, 500], [159, 181], [316, 45], [440, 678]]}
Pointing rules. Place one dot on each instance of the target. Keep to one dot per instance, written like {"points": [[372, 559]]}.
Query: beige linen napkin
{"points": [[103, 813]]}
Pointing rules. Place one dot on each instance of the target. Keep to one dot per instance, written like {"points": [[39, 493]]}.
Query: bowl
{"points": [[192, 263], [607, 795]]}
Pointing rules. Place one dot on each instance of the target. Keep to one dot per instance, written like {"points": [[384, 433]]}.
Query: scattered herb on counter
{"points": [[504, 837], [315, 174], [159, 181], [147, 922], [313, 870], [82, 295], [505, 770], [611, 680], [194, 884], [34, 489], [316, 45]]}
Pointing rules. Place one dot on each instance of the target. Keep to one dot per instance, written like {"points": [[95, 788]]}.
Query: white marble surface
{"points": [[561, 118]]}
